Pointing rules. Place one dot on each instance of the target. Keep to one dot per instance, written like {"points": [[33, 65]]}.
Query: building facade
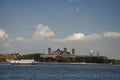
{"points": [[59, 52]]}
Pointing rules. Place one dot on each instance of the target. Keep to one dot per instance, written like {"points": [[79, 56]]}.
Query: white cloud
{"points": [[42, 32], [45, 32], [3, 34], [80, 37], [93, 36], [111, 34], [75, 36]]}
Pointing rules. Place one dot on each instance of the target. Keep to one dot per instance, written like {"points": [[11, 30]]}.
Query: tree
{"points": [[2, 58], [49, 59], [80, 59], [62, 59]]}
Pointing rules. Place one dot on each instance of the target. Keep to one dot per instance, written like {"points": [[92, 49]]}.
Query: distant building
{"points": [[63, 52], [11, 55], [97, 53], [48, 55], [49, 50], [14, 55], [59, 52], [73, 51]]}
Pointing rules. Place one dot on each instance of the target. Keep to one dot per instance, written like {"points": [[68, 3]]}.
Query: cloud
{"points": [[111, 34], [3, 34], [80, 37], [93, 36], [42, 31], [75, 36]]}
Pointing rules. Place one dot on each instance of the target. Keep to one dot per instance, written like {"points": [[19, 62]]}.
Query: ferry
{"points": [[23, 62]]}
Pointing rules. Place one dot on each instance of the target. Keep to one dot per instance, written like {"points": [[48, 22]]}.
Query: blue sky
{"points": [[28, 26]]}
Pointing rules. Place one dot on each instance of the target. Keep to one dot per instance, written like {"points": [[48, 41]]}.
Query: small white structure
{"points": [[23, 61]]}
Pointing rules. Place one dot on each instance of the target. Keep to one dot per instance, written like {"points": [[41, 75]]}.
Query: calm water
{"points": [[60, 72]]}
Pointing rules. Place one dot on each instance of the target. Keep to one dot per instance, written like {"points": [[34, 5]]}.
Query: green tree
{"points": [[80, 59], [62, 59], [49, 59]]}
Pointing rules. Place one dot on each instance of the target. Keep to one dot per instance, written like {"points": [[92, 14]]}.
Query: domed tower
{"points": [[49, 50], [58, 51], [73, 51], [65, 49], [97, 54]]}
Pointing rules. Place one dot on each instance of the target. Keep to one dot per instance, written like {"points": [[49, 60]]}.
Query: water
{"points": [[60, 72]]}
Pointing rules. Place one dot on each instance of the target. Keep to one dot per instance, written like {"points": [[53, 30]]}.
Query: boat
{"points": [[23, 62]]}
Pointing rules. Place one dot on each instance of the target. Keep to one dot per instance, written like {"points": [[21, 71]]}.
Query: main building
{"points": [[59, 52]]}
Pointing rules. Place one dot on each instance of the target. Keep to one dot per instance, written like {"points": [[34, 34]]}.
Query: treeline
{"points": [[78, 59]]}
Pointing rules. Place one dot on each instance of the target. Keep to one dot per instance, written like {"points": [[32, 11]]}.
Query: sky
{"points": [[31, 26]]}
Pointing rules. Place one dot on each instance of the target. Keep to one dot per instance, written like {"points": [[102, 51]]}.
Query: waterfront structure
{"points": [[58, 52], [49, 50], [63, 52], [97, 54], [48, 55], [73, 51], [10, 56], [23, 62]]}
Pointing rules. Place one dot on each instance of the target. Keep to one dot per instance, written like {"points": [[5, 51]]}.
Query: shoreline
{"points": [[74, 63]]}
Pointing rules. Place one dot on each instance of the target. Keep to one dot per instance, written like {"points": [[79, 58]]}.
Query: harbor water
{"points": [[60, 72]]}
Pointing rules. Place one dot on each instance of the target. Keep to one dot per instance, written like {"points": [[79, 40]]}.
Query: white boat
{"points": [[23, 62]]}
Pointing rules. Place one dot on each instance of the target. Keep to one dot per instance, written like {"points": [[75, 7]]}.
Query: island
{"points": [[59, 56]]}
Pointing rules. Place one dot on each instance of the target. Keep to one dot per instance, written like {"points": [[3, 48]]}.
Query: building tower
{"points": [[65, 49], [73, 51], [58, 51], [97, 54], [49, 50]]}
